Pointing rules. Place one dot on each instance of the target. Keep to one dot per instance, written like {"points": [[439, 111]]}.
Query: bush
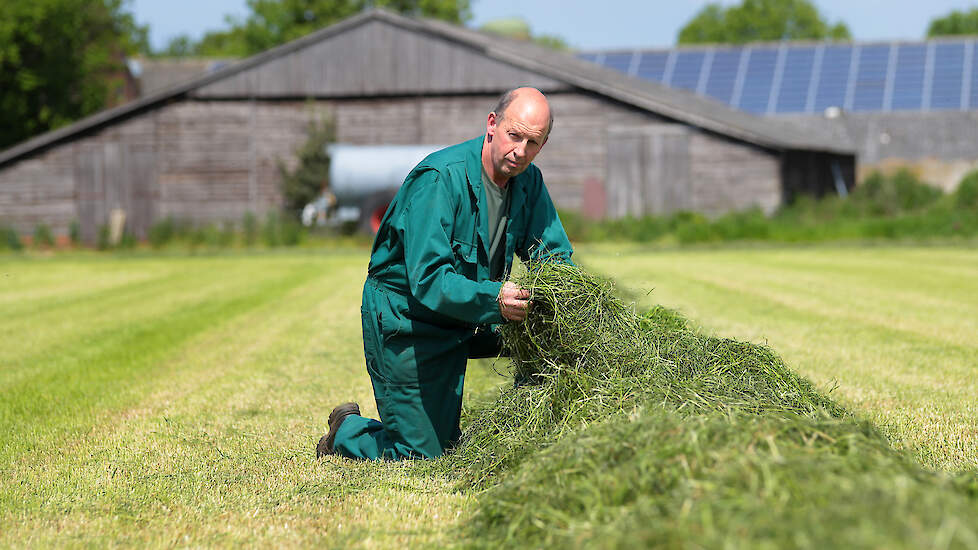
{"points": [[281, 231], [302, 185], [250, 226], [43, 238], [102, 241], [966, 195], [162, 232], [9, 238], [74, 232], [902, 192]]}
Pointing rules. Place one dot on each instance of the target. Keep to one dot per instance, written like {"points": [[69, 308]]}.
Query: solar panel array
{"points": [[808, 78]]}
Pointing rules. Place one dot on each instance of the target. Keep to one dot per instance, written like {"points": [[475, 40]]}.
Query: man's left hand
{"points": [[513, 302]]}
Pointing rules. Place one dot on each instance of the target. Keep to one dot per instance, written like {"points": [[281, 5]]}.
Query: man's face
{"points": [[515, 140]]}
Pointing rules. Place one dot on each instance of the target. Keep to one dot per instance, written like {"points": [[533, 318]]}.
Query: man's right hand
{"points": [[513, 302]]}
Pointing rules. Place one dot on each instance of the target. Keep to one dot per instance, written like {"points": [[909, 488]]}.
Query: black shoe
{"points": [[336, 418]]}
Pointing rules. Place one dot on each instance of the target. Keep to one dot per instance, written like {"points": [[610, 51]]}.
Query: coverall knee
{"points": [[417, 371]]}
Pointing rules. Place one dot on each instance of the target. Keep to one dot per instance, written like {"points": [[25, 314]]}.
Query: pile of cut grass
{"points": [[625, 429]]}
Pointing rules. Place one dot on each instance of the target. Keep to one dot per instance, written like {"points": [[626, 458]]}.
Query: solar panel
{"points": [[970, 85], [652, 66], [723, 74], [618, 61], [686, 73], [908, 77], [786, 78], [796, 80], [871, 78], [758, 79], [834, 77], [948, 75]]}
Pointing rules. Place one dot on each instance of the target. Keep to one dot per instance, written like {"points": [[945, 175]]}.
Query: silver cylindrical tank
{"points": [[360, 171]]}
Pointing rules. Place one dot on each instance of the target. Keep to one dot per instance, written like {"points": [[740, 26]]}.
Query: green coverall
{"points": [[429, 300]]}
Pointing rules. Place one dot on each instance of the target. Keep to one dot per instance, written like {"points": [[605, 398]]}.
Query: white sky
{"points": [[586, 24]]}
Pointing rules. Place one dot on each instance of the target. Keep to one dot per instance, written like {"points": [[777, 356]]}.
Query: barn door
{"points": [[648, 170], [110, 176]]}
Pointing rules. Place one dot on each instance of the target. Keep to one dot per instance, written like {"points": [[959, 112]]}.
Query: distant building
{"points": [[207, 149], [901, 104]]}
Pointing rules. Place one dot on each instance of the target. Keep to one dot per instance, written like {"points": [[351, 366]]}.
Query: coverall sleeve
{"points": [[545, 235], [425, 229]]}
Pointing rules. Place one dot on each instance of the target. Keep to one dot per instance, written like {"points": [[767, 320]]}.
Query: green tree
{"points": [[518, 28], [61, 60], [274, 22], [954, 23], [303, 184], [758, 20]]}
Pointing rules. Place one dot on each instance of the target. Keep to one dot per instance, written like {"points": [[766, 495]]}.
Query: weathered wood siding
{"points": [[39, 189], [648, 170], [210, 161], [370, 59], [729, 175]]}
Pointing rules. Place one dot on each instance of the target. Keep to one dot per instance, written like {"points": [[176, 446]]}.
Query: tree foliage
{"points": [[61, 60], [274, 22], [519, 29], [954, 23], [759, 20], [303, 184]]}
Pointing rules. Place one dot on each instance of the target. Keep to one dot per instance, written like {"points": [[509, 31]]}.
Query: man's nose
{"points": [[520, 149]]}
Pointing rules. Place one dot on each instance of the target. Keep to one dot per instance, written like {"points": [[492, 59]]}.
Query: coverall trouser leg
{"points": [[417, 379]]}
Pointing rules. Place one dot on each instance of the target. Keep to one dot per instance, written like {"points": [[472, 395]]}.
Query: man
{"points": [[434, 287]]}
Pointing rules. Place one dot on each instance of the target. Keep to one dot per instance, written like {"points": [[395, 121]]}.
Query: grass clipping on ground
{"points": [[624, 429]]}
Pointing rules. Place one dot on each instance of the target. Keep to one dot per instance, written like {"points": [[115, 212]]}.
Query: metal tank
{"points": [[365, 178]]}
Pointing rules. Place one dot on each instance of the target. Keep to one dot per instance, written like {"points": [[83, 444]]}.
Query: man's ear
{"points": [[491, 125]]}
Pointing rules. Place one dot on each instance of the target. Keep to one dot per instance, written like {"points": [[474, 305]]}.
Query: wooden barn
{"points": [[208, 150]]}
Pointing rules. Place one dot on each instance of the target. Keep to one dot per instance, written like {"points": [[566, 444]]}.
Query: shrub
{"points": [[249, 225], [43, 238], [966, 195], [74, 232], [102, 241], [9, 238], [303, 184], [902, 192], [162, 232]]}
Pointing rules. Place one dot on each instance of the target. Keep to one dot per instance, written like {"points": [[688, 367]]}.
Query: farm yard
{"points": [[153, 400]]}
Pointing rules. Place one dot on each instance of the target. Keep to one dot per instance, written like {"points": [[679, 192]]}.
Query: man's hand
{"points": [[513, 302]]}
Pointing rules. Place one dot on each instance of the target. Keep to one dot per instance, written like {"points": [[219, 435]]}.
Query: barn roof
{"points": [[518, 61]]}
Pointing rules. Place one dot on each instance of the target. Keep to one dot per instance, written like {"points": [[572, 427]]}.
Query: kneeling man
{"points": [[434, 287]]}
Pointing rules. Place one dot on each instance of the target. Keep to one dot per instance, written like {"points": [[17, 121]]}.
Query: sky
{"points": [[614, 24]]}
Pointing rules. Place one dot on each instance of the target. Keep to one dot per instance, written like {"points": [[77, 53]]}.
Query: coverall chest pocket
{"points": [[466, 258]]}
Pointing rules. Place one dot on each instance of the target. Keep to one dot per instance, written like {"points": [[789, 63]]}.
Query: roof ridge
{"points": [[672, 103]]}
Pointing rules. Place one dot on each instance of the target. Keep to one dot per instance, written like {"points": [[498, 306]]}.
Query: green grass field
{"points": [[176, 401]]}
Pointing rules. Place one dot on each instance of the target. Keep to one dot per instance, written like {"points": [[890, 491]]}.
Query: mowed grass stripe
{"points": [[851, 301], [35, 336], [918, 387], [243, 351], [72, 388], [943, 309], [43, 281], [220, 453]]}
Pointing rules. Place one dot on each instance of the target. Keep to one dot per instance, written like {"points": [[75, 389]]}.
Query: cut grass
{"points": [[893, 327], [630, 431]]}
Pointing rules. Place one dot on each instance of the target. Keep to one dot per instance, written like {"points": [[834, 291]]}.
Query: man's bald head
{"points": [[529, 102]]}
